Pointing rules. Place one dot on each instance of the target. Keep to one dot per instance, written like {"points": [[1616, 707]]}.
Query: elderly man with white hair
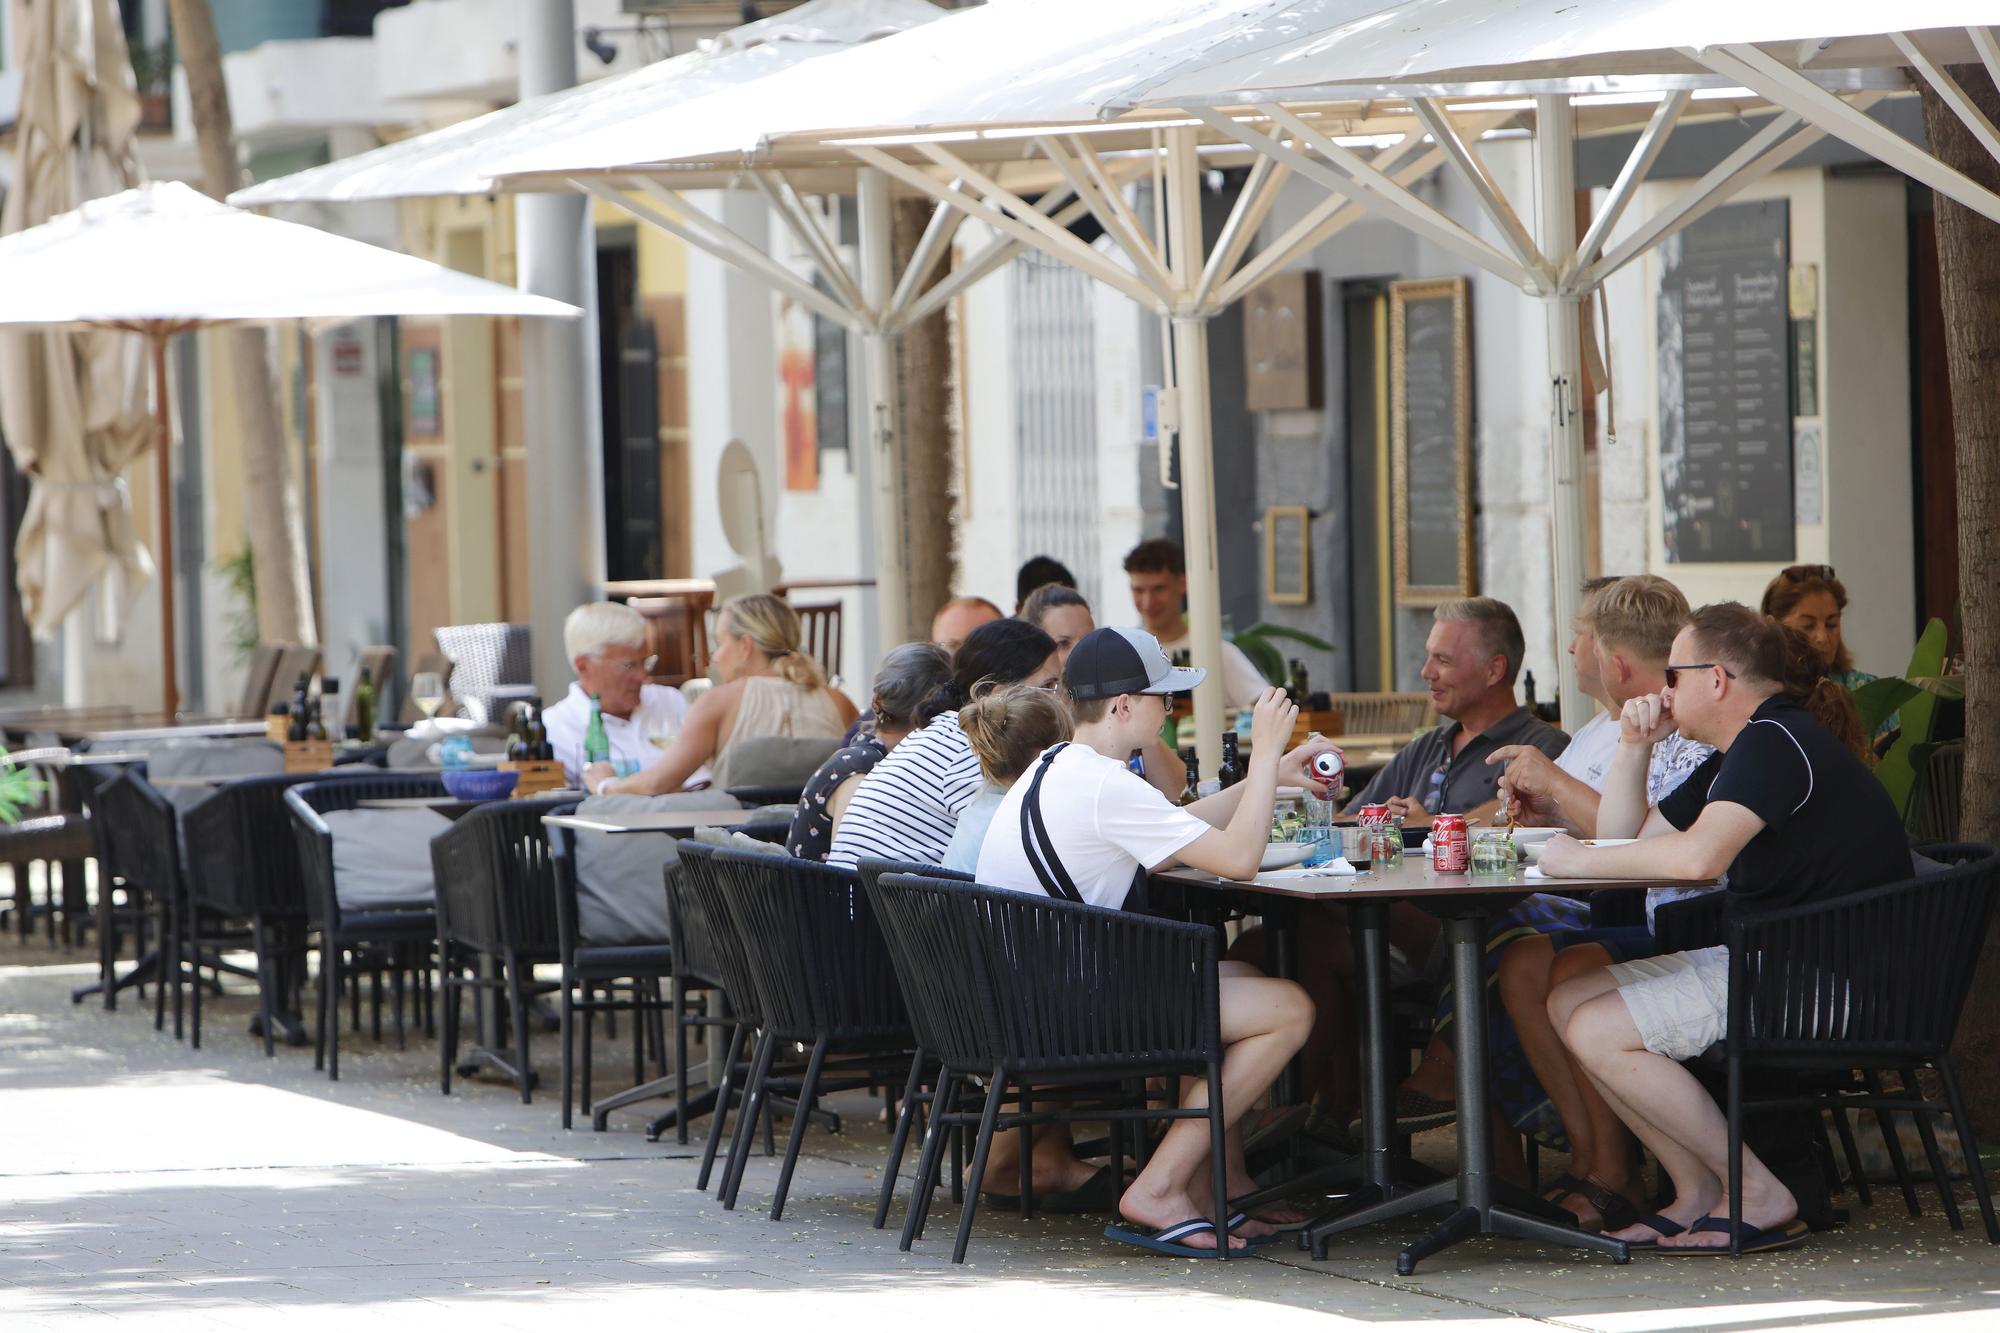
{"points": [[606, 644]]}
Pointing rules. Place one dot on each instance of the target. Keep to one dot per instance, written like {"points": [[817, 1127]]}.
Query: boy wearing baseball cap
{"points": [[1082, 826]]}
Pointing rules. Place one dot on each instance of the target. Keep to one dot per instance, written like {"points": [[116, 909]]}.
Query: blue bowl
{"points": [[480, 784]]}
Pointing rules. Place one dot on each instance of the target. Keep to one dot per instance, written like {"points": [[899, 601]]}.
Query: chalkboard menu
{"points": [[1431, 440], [1725, 387]]}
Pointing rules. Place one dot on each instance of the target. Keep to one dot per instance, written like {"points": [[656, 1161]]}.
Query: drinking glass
{"points": [[1389, 845], [1492, 853], [1357, 844], [427, 691]]}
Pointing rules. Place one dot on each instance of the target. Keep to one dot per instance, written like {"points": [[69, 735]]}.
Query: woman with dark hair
{"points": [[907, 807], [905, 698], [1812, 600]]}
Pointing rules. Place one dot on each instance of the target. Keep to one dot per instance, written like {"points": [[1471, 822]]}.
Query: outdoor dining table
{"points": [[451, 807], [1484, 1206]]}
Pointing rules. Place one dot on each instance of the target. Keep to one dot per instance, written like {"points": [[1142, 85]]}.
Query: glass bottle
{"points": [[596, 745], [364, 708], [1191, 792], [1231, 771]]}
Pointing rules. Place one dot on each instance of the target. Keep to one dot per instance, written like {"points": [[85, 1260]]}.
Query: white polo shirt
{"points": [[660, 706], [1105, 822]]}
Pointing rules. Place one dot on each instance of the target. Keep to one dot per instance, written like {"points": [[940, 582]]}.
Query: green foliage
{"points": [[1257, 644], [1915, 696], [240, 572], [19, 790]]}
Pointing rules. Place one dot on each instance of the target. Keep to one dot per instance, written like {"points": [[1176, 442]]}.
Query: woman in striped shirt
{"points": [[907, 807]]}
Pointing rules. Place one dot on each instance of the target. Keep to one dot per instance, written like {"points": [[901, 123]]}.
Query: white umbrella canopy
{"points": [[1306, 48], [72, 401], [457, 159], [166, 259]]}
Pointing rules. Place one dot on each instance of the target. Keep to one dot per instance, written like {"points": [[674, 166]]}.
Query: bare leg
{"points": [[1056, 1168], [1681, 1124], [1264, 1022]]}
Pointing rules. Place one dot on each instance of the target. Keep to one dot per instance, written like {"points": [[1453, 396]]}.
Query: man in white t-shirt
{"points": [[1080, 825], [1157, 571], [606, 646]]}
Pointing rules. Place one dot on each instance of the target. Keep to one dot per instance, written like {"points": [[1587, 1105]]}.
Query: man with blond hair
{"points": [[606, 646]]}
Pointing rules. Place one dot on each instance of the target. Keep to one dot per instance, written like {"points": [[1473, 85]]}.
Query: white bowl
{"points": [[1533, 837], [1278, 855]]}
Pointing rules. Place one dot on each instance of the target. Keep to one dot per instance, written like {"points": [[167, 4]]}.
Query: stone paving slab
{"points": [[146, 1184]]}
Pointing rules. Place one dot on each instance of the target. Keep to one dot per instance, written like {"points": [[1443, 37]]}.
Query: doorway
{"points": [[629, 389]]}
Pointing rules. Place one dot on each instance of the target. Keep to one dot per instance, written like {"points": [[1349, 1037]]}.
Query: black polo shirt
{"points": [[1829, 827], [1426, 768]]}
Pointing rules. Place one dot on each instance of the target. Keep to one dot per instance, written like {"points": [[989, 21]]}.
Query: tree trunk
{"points": [[924, 370], [273, 518], [1968, 248]]}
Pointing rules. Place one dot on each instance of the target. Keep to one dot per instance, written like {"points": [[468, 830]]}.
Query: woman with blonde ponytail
{"points": [[1009, 726], [765, 686]]}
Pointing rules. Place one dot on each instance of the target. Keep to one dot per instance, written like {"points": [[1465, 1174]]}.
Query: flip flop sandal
{"points": [[1255, 1242], [1756, 1239], [1099, 1194], [1164, 1240], [1615, 1212], [1659, 1222]]}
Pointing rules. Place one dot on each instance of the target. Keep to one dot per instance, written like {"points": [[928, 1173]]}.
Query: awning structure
{"points": [[165, 259]]}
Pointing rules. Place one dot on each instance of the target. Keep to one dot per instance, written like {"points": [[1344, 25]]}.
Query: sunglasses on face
{"points": [[1673, 673]]}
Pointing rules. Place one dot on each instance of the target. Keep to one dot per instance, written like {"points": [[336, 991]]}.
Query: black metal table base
{"points": [[484, 1060], [1484, 1208], [145, 970], [287, 1028]]}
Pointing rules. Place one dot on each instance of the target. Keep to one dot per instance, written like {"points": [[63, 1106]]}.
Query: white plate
{"points": [[1528, 837], [1278, 855], [1607, 842]]}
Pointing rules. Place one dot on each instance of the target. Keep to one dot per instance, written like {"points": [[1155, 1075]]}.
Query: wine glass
{"points": [[427, 692], [660, 732]]}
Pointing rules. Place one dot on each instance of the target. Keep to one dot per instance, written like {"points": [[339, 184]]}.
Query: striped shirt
{"points": [[908, 806]]}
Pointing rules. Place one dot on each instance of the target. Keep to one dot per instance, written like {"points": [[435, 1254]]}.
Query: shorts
{"points": [[1622, 943], [1679, 1002]]}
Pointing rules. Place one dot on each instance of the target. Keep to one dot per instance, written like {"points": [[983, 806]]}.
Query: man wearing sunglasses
{"points": [[606, 646], [1793, 816]]}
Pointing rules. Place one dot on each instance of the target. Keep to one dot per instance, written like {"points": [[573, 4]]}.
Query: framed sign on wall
{"points": [[1287, 555], [1430, 421]]}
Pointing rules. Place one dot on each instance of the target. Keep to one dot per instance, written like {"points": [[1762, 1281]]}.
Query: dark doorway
{"points": [[1365, 338], [629, 381], [1935, 469]]}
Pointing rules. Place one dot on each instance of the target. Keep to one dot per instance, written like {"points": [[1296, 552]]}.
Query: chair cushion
{"points": [[621, 895], [382, 858], [208, 759], [779, 761], [635, 960], [729, 837], [386, 924]]}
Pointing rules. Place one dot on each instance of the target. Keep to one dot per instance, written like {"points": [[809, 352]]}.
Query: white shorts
{"points": [[1678, 1001]]}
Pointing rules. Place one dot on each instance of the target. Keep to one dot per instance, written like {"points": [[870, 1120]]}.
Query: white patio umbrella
{"points": [[72, 401], [1819, 65], [165, 259]]}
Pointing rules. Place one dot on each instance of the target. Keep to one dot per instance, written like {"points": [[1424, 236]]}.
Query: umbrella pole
{"points": [[1555, 146], [163, 454]]}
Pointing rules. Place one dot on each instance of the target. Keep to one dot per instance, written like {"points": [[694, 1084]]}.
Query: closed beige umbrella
{"points": [[72, 401]]}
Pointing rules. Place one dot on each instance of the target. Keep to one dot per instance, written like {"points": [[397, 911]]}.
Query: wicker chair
{"points": [[993, 979], [145, 842], [496, 896], [353, 943], [1384, 712]]}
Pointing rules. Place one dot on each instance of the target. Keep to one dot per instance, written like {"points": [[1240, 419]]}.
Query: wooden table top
{"points": [[1413, 879], [657, 821]]}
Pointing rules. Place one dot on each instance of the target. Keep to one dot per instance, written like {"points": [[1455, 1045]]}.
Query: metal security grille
{"points": [[1055, 414]]}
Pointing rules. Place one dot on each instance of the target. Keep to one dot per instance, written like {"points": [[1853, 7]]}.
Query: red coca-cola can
{"points": [[1329, 768], [1451, 845], [1374, 816]]}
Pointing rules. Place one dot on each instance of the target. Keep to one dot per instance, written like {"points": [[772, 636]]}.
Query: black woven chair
{"points": [[1867, 981], [922, 1081], [635, 968], [243, 866], [823, 979], [706, 945], [145, 840], [61, 843], [354, 943], [496, 897], [1021, 991]]}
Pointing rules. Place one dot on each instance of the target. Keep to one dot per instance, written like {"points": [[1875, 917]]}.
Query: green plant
{"points": [[239, 571], [1257, 644], [18, 790], [1912, 699]]}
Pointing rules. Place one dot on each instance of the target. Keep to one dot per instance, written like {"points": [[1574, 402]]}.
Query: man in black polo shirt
{"points": [[1471, 659], [1792, 815]]}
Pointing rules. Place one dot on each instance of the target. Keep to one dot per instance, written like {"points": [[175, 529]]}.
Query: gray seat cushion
{"points": [[208, 759], [779, 761], [621, 895], [382, 858]]}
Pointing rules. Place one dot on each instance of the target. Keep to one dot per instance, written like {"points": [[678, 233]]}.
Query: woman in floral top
{"points": [[905, 687]]}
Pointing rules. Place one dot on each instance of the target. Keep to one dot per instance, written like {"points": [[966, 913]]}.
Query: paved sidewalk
{"points": [[149, 1185]]}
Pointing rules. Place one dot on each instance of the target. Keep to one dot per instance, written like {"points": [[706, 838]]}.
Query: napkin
{"points": [[1337, 866], [1533, 872]]}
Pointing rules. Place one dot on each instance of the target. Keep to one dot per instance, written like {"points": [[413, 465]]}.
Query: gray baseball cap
{"points": [[1106, 663]]}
